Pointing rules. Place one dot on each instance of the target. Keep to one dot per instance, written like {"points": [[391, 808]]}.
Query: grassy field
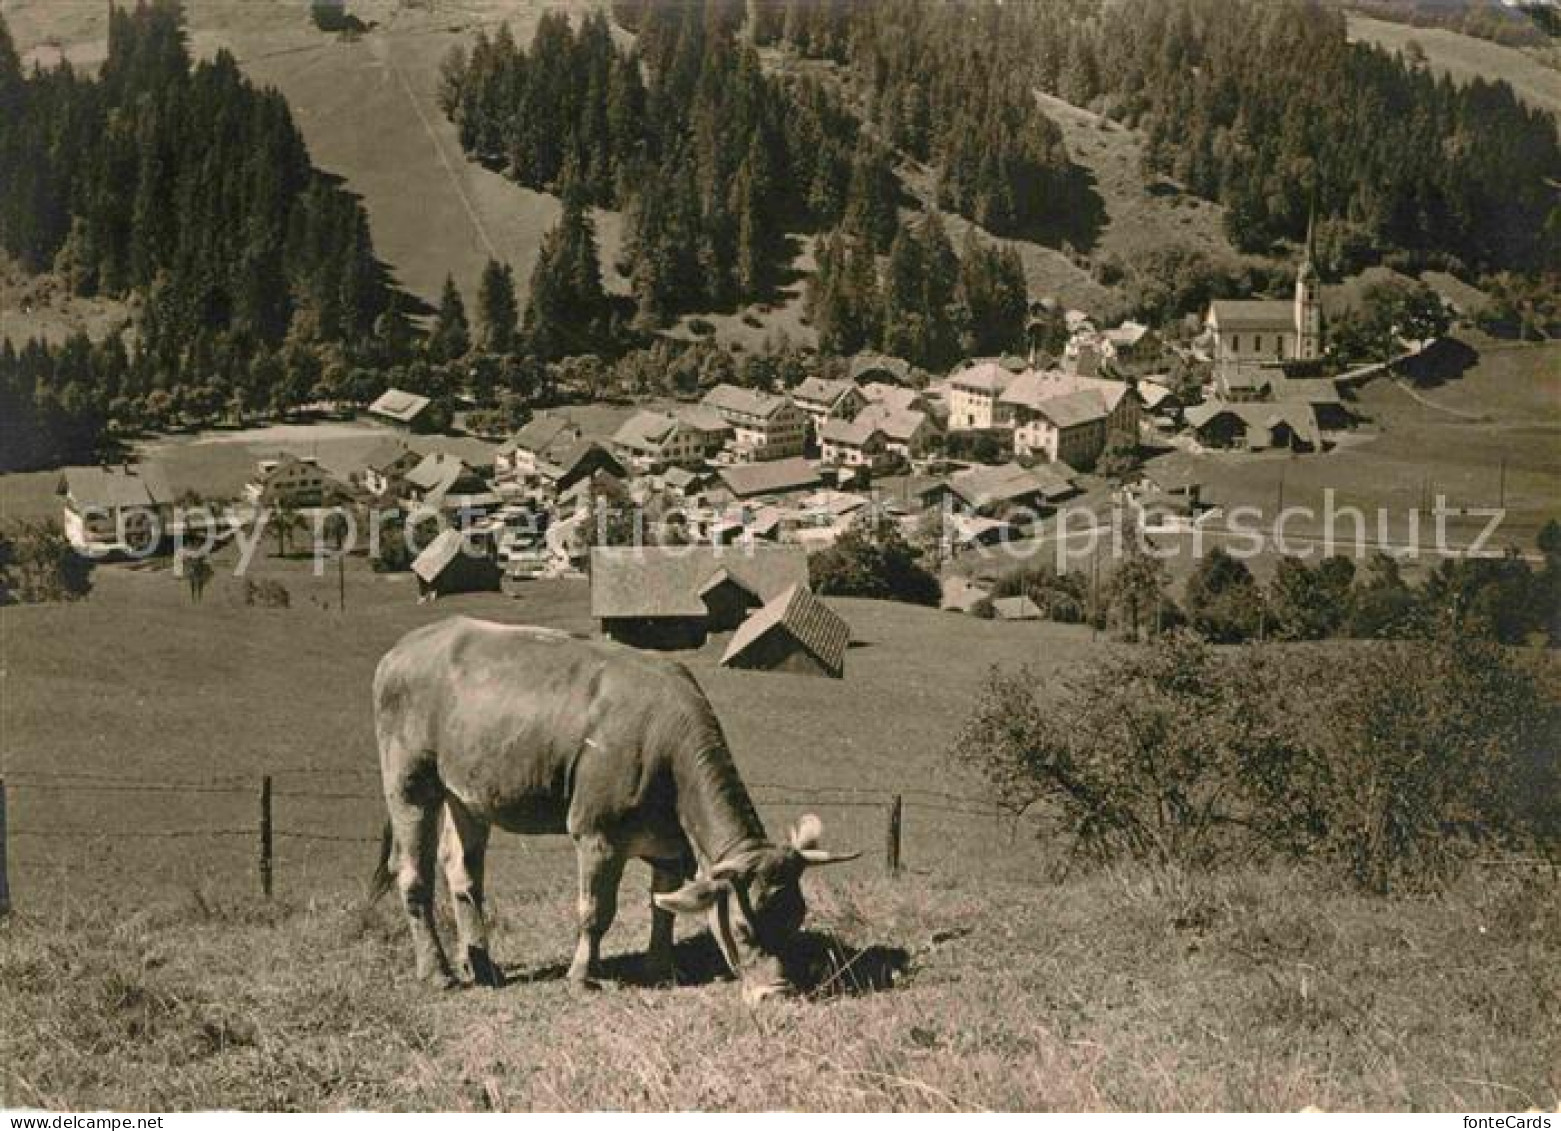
{"points": [[1465, 58], [1454, 440], [148, 973]]}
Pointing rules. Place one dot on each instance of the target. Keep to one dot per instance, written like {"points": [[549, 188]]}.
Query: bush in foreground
{"points": [[1392, 761]]}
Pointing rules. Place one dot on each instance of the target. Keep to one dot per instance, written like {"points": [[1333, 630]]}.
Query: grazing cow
{"points": [[536, 731]]}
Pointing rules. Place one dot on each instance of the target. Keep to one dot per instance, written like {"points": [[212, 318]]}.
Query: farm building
{"points": [[1255, 426], [113, 509], [1015, 608], [879, 367], [650, 441], [776, 477], [453, 564], [403, 410], [673, 597], [823, 399], [566, 467], [794, 632], [992, 491], [764, 426], [960, 595]]}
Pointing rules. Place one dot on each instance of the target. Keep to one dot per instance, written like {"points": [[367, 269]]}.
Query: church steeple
{"points": [[1308, 295]]}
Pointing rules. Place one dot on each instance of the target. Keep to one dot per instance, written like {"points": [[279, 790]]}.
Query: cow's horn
{"points": [[727, 869], [807, 832], [816, 856]]}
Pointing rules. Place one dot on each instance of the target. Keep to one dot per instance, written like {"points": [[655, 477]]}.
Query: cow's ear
{"points": [[692, 898]]}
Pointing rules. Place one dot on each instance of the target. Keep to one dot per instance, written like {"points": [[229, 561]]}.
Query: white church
{"points": [[1271, 330]]}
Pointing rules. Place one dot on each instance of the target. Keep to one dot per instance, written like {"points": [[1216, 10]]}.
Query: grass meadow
{"points": [[147, 972]]}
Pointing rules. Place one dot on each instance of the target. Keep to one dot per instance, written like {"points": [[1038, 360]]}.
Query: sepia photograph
{"points": [[830, 556]]}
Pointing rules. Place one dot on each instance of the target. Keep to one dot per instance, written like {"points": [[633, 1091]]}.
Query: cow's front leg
{"points": [[463, 848], [665, 876], [601, 867]]}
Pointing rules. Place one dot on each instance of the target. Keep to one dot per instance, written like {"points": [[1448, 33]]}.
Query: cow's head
{"points": [[755, 904]]}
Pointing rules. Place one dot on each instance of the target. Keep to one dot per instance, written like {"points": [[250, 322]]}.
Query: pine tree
{"points": [[496, 312], [566, 311], [450, 336]]}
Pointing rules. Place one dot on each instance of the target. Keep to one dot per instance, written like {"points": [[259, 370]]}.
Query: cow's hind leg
{"points": [[666, 876], [414, 804], [463, 849], [601, 867]]}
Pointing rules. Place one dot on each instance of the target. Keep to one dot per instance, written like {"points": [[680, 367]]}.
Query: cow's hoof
{"points": [[482, 969], [443, 980], [658, 973]]}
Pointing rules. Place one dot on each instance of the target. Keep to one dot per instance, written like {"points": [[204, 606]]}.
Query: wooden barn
{"points": [[796, 632], [452, 564], [671, 597]]}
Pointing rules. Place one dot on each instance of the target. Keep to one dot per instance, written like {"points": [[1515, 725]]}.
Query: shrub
{"points": [[873, 559], [38, 564], [1390, 760], [267, 594]]}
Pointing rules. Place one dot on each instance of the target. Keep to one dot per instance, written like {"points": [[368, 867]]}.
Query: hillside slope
{"points": [[1465, 58]]}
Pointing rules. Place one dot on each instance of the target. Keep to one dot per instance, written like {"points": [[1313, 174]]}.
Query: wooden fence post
{"points": [[265, 835], [892, 846], [5, 880]]}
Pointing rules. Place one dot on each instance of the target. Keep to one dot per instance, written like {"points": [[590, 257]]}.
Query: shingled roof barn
{"points": [[796, 632], [451, 564], [673, 597]]}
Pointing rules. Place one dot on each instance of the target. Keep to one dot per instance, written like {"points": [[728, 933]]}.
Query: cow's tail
{"points": [[380, 883]]}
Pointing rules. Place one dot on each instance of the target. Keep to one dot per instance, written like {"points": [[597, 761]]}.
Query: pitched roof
{"points": [[398, 404], [651, 581], [439, 553], [865, 363], [1127, 334], [770, 477], [960, 595], [1298, 415], [983, 486], [747, 402], [645, 430], [1035, 388], [541, 432], [702, 419], [437, 472], [1252, 314], [563, 460], [386, 454], [852, 433], [1070, 410], [822, 391], [891, 396], [809, 621], [134, 486], [984, 377]]}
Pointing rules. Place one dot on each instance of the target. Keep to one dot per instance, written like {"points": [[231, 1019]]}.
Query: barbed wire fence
{"points": [[315, 784]]}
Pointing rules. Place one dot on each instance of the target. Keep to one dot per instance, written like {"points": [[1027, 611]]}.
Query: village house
{"points": [[794, 632], [674, 597], [822, 399], [446, 483], [539, 440], [385, 466], [1019, 608], [406, 411], [291, 481], [710, 429], [975, 397], [114, 509], [854, 443], [764, 426], [1069, 418], [650, 441]]}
